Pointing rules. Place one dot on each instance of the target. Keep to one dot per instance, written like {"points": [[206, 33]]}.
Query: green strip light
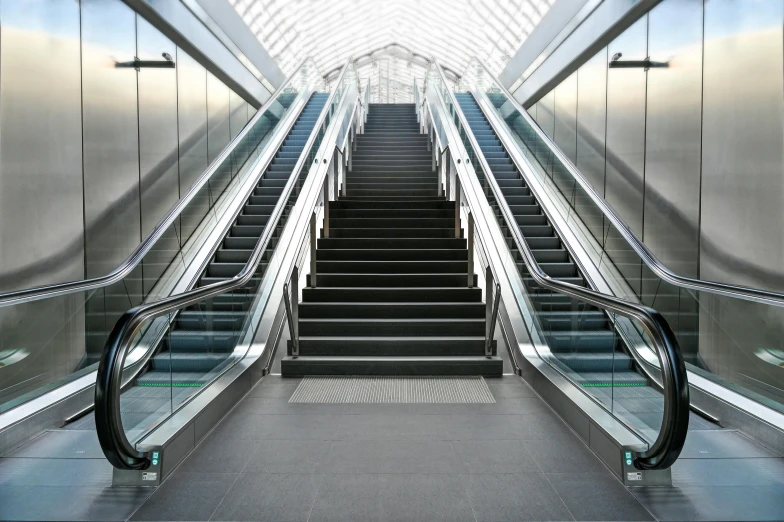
{"points": [[611, 385], [175, 385]]}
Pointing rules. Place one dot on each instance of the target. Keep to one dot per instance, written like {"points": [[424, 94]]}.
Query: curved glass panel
{"points": [[50, 342]]}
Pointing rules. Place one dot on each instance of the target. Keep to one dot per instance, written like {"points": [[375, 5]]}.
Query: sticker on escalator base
{"points": [[148, 475], [636, 475]]}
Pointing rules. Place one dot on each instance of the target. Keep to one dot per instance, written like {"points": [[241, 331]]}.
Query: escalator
{"points": [[584, 341], [201, 338]]}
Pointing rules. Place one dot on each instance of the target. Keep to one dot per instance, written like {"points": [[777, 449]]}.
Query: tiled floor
{"points": [[271, 460]]}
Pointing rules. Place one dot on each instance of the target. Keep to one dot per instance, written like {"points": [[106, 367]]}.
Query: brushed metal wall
{"points": [[239, 110], [592, 119], [41, 222], [218, 116], [545, 113], [565, 125], [673, 135], [691, 157], [89, 164], [158, 146], [743, 189]]}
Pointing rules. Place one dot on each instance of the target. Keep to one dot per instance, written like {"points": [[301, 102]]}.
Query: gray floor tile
{"points": [[394, 497], [723, 444], [55, 472], [274, 386], [512, 497], [564, 453], [215, 455], [510, 386], [69, 503], [392, 456], [497, 456], [186, 496], [273, 497], [289, 456], [728, 472], [597, 496], [501, 427], [714, 503], [61, 444]]}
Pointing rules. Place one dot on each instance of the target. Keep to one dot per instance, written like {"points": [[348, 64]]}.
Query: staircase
{"points": [[391, 294], [581, 337]]}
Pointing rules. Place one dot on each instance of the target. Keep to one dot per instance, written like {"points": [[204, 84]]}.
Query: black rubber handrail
{"points": [[668, 445], [111, 434]]}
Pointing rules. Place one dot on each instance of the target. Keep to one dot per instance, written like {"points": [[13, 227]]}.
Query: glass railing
{"points": [[54, 335], [571, 326], [222, 321], [730, 335]]}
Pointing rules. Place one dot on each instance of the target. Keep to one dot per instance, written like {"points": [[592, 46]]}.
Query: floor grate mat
{"points": [[393, 390]]}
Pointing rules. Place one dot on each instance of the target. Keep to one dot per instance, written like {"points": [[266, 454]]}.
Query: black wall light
{"points": [[166, 63], [617, 63]]}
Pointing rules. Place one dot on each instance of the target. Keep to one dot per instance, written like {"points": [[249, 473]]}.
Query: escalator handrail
{"points": [[667, 447], [111, 435], [738, 292], [119, 273]]}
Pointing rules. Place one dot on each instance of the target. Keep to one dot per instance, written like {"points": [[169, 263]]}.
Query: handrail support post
{"points": [[470, 238]]}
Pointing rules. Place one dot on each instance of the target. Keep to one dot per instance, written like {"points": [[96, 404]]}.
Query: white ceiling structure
{"points": [[392, 41]]}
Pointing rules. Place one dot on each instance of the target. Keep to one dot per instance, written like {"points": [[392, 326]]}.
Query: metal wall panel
{"points": [[545, 110], [592, 119], [673, 135], [626, 127], [158, 146], [194, 155], [743, 157], [219, 134], [743, 188], [41, 225], [41, 198], [192, 115], [565, 130], [110, 130], [240, 113]]}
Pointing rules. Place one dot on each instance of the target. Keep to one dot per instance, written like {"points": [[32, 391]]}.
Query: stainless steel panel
{"points": [[743, 189], [41, 225], [565, 130], [743, 157], [625, 146], [218, 135], [41, 198], [192, 117], [592, 119], [673, 135], [240, 110], [158, 146], [545, 113], [626, 127], [110, 130]]}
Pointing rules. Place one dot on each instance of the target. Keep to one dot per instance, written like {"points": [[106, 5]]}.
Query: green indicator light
{"points": [[155, 454], [628, 454], [629, 462], [154, 462]]}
